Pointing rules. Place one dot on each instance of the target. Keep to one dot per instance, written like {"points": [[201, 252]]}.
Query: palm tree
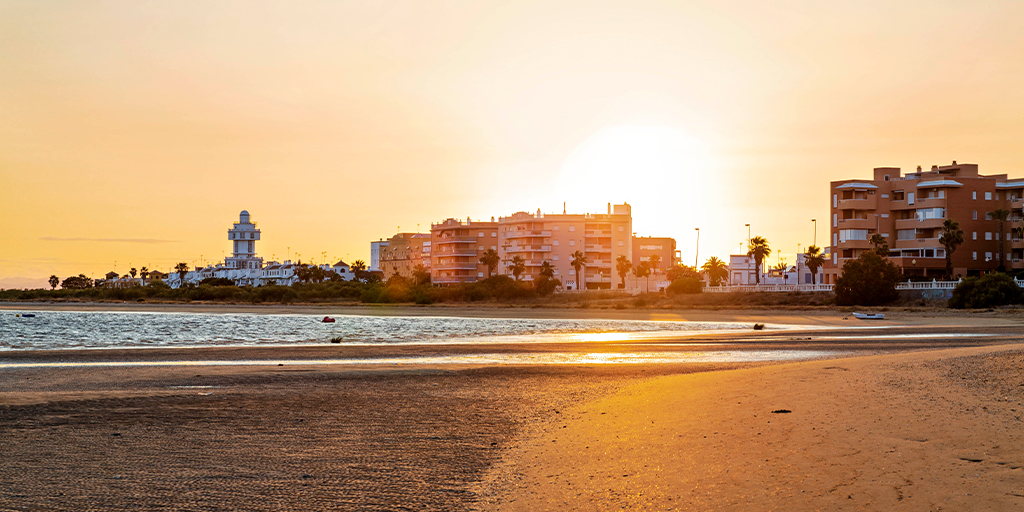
{"points": [[578, 261], [758, 248], [881, 246], [951, 238], [54, 281], [643, 270], [654, 260], [814, 259], [622, 266], [517, 266], [144, 272], [1001, 215], [546, 270], [133, 272], [491, 259], [181, 269], [716, 270]]}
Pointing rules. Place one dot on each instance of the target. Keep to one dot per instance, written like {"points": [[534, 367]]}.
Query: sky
{"points": [[132, 133]]}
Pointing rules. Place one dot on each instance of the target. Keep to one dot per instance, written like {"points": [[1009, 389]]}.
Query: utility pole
{"points": [[815, 221], [696, 252]]}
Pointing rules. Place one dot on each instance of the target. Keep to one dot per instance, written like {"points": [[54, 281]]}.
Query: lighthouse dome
{"points": [[243, 217]]}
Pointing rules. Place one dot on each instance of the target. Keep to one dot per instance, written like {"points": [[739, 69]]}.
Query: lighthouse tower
{"points": [[243, 238]]}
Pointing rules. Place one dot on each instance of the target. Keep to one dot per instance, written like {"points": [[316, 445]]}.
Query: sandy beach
{"points": [[925, 422]]}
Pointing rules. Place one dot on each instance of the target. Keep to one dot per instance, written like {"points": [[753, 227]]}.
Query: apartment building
{"points": [[456, 249], [539, 237], [646, 246], [908, 211], [403, 253]]}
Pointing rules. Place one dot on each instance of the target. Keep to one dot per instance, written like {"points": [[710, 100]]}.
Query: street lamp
{"points": [[748, 232], [815, 221], [696, 252]]}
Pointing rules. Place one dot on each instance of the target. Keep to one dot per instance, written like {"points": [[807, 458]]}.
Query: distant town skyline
{"points": [[130, 132]]}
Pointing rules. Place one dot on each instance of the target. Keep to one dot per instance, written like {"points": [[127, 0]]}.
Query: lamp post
{"points": [[815, 221], [748, 232], [696, 252]]}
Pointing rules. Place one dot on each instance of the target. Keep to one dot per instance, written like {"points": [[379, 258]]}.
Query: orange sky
{"points": [[135, 132]]}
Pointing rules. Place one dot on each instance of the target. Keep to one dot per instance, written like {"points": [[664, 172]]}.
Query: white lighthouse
{"points": [[243, 238]]}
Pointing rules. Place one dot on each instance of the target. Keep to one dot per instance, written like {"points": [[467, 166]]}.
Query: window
{"points": [[930, 213], [897, 195], [481, 235], [975, 253], [554, 242], [555, 257], [835, 200], [495, 247], [495, 233], [834, 255], [906, 234], [835, 220], [885, 215], [988, 256], [885, 235], [621, 243], [988, 235], [974, 195], [572, 242], [479, 274], [885, 196], [988, 196], [910, 198], [622, 228], [974, 215], [572, 228], [974, 235], [556, 228], [556, 270], [852, 234], [885, 177], [835, 238], [481, 248]]}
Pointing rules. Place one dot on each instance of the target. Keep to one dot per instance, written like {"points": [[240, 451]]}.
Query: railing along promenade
{"points": [[912, 285]]}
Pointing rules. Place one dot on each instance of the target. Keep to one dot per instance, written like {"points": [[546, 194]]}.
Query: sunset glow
{"points": [[130, 133]]}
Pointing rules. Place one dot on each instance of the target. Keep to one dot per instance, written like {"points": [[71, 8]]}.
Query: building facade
{"points": [[402, 253], [456, 247], [538, 237], [908, 211], [646, 246], [244, 235]]}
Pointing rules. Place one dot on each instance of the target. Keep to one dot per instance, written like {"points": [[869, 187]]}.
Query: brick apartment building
{"points": [[456, 249], [908, 211], [664, 247], [402, 253]]}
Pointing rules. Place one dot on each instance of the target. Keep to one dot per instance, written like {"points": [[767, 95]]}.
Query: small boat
{"points": [[328, 320], [26, 315], [869, 316], [758, 327]]}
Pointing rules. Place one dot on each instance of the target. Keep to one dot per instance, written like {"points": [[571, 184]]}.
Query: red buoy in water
{"points": [[328, 320]]}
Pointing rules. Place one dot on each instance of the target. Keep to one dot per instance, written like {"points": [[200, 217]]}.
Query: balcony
{"points": [[917, 243], [528, 248], [919, 224], [867, 203], [598, 232], [456, 240], [855, 244], [598, 248], [463, 265], [932, 202], [527, 234], [598, 279], [901, 205], [871, 223], [461, 251]]}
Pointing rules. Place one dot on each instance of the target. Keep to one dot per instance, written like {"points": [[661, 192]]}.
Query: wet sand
{"points": [[502, 437]]}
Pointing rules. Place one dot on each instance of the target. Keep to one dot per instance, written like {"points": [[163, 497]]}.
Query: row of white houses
{"points": [[274, 273]]}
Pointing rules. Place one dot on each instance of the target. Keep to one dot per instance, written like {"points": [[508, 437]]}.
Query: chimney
{"points": [[609, 208], [954, 162]]}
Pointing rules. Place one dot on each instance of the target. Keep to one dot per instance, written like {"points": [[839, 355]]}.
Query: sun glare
{"points": [[662, 171]]}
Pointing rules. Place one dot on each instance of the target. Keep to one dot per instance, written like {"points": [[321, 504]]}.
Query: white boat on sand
{"points": [[869, 316]]}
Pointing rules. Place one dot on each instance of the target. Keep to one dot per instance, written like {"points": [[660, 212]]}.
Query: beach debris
{"points": [[307, 475], [115, 434], [336, 339], [328, 320], [758, 327], [781, 411]]}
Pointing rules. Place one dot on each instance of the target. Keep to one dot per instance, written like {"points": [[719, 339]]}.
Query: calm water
{"points": [[74, 329]]}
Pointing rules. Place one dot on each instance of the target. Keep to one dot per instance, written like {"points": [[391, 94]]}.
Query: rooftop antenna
{"points": [[563, 207]]}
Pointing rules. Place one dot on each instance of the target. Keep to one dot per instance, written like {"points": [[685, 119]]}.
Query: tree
{"points": [[517, 266], [578, 261], [716, 270], [759, 250], [643, 270], [79, 282], [781, 266], [881, 246], [359, 270], [654, 262], [1001, 215], [54, 281], [993, 289], [546, 283], [420, 275], [623, 266], [815, 259], [133, 272], [951, 238], [869, 280], [685, 279], [491, 259], [181, 269], [144, 273]]}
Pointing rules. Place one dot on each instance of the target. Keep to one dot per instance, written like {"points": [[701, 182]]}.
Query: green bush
{"points": [[995, 289], [869, 280]]}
